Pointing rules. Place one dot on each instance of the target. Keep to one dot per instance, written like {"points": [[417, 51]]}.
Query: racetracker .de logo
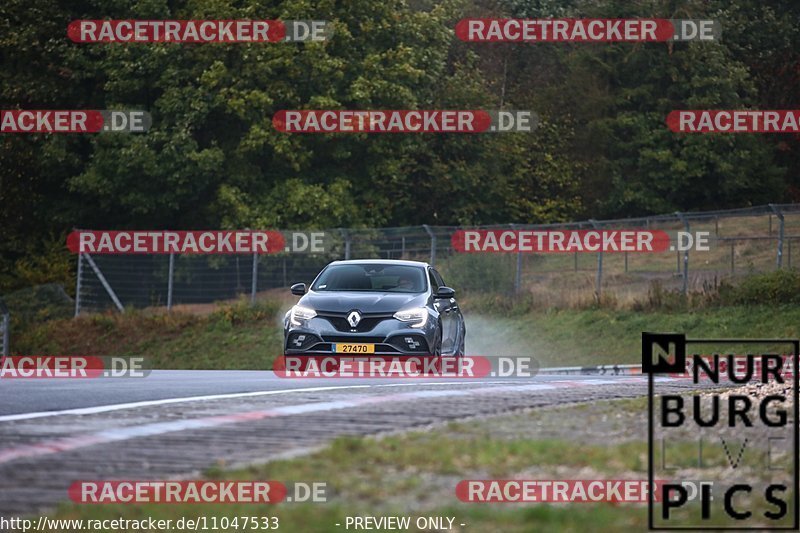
{"points": [[404, 366], [197, 31], [72, 366], [73, 121], [404, 121], [586, 30]]}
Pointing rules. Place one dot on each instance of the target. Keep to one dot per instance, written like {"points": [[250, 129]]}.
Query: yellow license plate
{"points": [[354, 348]]}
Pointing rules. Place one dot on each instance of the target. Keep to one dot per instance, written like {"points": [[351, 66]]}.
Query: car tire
{"points": [[437, 342], [461, 346], [436, 350], [459, 354]]}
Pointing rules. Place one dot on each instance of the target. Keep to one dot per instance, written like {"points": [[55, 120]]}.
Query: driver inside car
{"points": [[404, 283]]}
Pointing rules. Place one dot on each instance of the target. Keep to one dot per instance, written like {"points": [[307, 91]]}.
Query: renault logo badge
{"points": [[354, 318]]}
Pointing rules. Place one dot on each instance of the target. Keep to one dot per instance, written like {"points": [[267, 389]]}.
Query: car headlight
{"points": [[418, 315], [300, 313]]}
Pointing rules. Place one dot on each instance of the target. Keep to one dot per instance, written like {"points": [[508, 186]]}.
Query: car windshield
{"points": [[371, 278]]}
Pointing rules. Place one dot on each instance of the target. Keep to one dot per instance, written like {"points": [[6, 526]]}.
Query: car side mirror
{"points": [[298, 289], [445, 292]]}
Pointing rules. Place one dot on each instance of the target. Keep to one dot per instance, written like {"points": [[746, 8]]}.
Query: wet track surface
{"points": [[36, 395], [179, 423]]}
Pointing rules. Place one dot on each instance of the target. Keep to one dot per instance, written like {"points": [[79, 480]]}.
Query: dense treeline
{"points": [[213, 159]]}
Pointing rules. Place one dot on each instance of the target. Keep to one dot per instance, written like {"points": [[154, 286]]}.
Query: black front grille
{"points": [[367, 323], [341, 338]]}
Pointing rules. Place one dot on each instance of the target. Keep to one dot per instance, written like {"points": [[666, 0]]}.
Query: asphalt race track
{"points": [[19, 396], [178, 423]]}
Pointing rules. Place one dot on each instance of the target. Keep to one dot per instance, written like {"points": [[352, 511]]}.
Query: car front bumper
{"points": [[389, 337]]}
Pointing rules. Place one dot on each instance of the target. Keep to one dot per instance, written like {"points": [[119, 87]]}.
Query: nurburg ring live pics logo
{"points": [[722, 432]]}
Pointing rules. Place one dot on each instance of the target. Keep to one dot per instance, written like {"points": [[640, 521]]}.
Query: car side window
{"points": [[434, 284], [438, 278]]}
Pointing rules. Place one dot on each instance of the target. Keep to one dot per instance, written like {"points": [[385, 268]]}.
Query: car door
{"points": [[456, 322], [449, 320]]}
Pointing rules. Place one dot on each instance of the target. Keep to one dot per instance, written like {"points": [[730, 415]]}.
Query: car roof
{"points": [[380, 262]]}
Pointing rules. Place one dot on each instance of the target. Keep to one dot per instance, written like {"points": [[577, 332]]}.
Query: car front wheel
{"points": [[461, 351], [437, 342]]}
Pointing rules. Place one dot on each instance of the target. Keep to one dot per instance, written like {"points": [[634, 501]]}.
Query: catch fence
{"points": [[742, 241]]}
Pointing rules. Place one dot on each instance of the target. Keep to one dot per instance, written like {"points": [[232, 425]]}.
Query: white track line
{"points": [[167, 401], [75, 442]]}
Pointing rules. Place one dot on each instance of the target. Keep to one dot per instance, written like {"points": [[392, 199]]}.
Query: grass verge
{"points": [[415, 474], [601, 336], [243, 337], [237, 336]]}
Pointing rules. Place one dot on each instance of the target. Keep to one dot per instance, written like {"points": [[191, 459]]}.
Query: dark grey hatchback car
{"points": [[380, 307]]}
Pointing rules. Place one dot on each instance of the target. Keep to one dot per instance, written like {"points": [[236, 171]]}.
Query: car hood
{"points": [[366, 302]]}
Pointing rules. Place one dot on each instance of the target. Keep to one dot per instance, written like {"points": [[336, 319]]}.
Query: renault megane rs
{"points": [[381, 307]]}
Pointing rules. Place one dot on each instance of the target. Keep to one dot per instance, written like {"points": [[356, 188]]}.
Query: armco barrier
{"points": [[600, 370]]}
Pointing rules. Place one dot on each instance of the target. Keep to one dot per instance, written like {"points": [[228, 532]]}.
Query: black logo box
{"points": [[663, 341]]}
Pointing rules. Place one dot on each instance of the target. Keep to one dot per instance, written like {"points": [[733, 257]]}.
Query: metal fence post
{"points": [[685, 255], [346, 235], [254, 283], [104, 282], [433, 243], [781, 227], [598, 284], [518, 275], [732, 257], [169, 280], [78, 285]]}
